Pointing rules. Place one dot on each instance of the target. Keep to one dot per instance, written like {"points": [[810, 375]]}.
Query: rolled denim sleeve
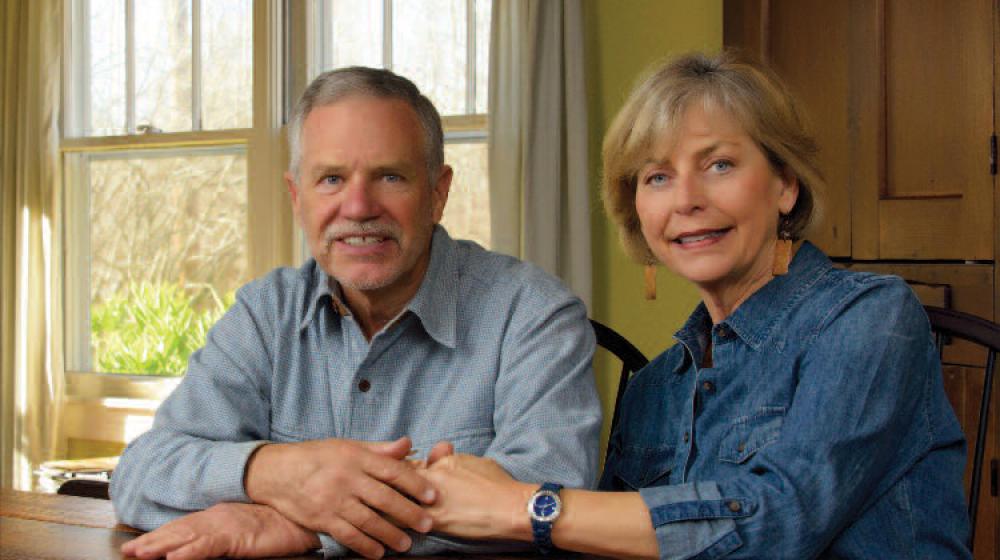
{"points": [[203, 434], [694, 517]]}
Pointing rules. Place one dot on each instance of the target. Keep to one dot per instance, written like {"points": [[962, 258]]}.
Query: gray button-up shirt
{"points": [[491, 354]]}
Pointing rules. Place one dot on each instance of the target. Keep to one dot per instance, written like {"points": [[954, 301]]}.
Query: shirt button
{"points": [[708, 387], [723, 331], [364, 385], [687, 437], [741, 447], [734, 506]]}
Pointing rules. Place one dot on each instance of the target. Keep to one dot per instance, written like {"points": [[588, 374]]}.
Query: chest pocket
{"points": [[749, 434], [633, 468]]}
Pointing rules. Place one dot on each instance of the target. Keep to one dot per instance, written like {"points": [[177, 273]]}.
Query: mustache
{"points": [[349, 229]]}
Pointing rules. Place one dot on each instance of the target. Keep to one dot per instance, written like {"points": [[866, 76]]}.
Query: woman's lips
{"points": [[701, 238]]}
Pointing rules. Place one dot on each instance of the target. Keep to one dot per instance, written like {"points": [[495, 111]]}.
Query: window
{"points": [[173, 159], [159, 129], [443, 46]]}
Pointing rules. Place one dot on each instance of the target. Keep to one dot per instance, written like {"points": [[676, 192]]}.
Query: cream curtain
{"points": [[30, 254], [539, 185]]}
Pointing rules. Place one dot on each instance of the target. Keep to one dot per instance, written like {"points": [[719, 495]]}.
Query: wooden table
{"points": [[43, 526], [34, 525]]}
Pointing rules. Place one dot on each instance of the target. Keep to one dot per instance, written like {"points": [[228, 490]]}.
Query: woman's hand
{"points": [[477, 499]]}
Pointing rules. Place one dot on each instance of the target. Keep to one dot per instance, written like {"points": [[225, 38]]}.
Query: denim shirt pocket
{"points": [[641, 467], [749, 434]]}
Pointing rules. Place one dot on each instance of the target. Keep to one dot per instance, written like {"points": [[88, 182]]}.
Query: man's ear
{"points": [[441, 189], [293, 192]]}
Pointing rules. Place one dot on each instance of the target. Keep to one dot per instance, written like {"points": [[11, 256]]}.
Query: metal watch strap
{"points": [[541, 531]]}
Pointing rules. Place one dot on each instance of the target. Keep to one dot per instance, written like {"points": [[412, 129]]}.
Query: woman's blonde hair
{"points": [[751, 93]]}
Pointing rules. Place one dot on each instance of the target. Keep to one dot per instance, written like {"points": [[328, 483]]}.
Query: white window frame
{"points": [[269, 240]]}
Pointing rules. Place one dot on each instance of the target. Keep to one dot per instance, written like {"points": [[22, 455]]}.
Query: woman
{"points": [[801, 413]]}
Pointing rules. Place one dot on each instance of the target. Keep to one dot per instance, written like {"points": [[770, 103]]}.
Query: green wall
{"points": [[625, 37]]}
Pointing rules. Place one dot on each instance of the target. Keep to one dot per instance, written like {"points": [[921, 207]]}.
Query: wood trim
{"points": [[157, 140], [996, 182], [866, 100], [764, 28], [464, 123]]}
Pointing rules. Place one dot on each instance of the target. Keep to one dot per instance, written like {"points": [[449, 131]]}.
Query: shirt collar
{"points": [[320, 287], [755, 319], [435, 303]]}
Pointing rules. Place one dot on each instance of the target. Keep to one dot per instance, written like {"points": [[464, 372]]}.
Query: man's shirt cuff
{"points": [[224, 480]]}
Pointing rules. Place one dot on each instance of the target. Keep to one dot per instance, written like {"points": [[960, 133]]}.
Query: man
{"points": [[393, 333]]}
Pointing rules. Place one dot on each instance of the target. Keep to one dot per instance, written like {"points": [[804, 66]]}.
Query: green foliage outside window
{"points": [[152, 329]]}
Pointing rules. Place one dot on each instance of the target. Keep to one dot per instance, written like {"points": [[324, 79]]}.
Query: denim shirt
{"points": [[491, 354], [822, 429]]}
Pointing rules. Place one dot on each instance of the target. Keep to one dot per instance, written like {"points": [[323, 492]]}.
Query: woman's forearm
{"points": [[605, 523]]}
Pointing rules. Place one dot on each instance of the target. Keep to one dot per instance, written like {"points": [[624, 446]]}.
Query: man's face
{"points": [[363, 196]]}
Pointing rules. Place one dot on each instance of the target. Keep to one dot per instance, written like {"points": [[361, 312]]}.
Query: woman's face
{"points": [[709, 202]]}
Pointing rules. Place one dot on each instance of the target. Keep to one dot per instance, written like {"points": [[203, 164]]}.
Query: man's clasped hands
{"points": [[362, 494]]}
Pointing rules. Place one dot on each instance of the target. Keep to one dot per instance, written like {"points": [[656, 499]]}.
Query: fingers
{"points": [[387, 501], [161, 542], [401, 477], [202, 547], [350, 536], [440, 450], [398, 449]]}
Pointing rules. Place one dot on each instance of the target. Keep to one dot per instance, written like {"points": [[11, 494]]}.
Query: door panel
{"points": [[937, 201]]}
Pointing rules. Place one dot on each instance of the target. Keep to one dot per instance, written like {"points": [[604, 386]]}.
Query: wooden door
{"points": [[900, 97], [935, 200]]}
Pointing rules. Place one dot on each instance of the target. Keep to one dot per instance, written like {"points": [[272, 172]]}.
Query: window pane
{"points": [[167, 252], [227, 64], [106, 46], [429, 47], [484, 13], [356, 33], [163, 64], [467, 214]]}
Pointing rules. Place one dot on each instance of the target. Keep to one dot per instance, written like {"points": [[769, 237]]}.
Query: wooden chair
{"points": [[632, 360], [946, 325]]}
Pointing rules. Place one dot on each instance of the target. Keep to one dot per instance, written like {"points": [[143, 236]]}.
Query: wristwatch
{"points": [[544, 507]]}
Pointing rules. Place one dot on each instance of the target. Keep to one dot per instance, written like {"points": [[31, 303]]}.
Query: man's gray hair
{"points": [[334, 85]]}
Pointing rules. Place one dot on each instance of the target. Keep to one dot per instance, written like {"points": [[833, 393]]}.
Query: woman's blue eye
{"points": [[657, 179], [722, 165]]}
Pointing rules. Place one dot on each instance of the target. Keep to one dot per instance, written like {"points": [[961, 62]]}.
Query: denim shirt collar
{"points": [[756, 319], [435, 303]]}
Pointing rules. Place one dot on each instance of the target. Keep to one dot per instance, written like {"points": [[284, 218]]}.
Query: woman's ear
{"points": [[789, 194]]}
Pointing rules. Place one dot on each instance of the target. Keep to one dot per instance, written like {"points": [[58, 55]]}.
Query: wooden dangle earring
{"points": [[782, 248], [649, 281]]}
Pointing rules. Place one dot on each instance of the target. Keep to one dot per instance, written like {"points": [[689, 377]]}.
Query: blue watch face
{"points": [[545, 505]]}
